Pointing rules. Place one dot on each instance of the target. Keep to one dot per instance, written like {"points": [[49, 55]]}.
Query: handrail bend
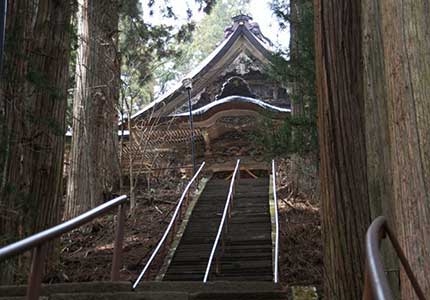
{"points": [[56, 231], [275, 199], [376, 285], [169, 227], [222, 223], [39, 240]]}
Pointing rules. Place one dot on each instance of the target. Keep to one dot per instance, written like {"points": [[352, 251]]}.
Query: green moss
{"points": [[304, 293]]}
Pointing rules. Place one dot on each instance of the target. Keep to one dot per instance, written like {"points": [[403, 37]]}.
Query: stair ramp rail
{"points": [[276, 252], [39, 241], [223, 226], [376, 285], [176, 217]]}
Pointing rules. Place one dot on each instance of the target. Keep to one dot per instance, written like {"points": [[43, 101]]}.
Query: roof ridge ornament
{"points": [[241, 19]]}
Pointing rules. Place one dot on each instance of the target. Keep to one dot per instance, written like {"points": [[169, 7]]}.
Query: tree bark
{"points": [[33, 100], [296, 92], [378, 141], [343, 175], [396, 95], [93, 167], [406, 42]]}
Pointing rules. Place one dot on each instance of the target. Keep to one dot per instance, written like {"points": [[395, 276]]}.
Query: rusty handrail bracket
{"points": [[376, 283]]}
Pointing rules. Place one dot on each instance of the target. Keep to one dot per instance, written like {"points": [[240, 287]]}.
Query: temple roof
{"points": [[244, 36], [229, 106], [235, 101], [174, 128]]}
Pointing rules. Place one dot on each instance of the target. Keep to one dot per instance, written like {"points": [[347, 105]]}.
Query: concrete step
{"points": [[211, 286], [150, 291], [112, 296], [173, 290], [122, 296], [61, 288]]}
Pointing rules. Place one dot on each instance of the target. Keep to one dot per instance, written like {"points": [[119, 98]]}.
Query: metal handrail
{"points": [[39, 240], [275, 199], [376, 284], [221, 225], [169, 227]]}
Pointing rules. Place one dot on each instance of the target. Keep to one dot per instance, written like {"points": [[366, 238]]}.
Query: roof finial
{"points": [[241, 19]]}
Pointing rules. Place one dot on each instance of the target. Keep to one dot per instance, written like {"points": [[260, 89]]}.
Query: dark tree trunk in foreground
{"points": [[406, 43], [344, 194], [380, 181], [374, 59], [33, 106], [94, 166]]}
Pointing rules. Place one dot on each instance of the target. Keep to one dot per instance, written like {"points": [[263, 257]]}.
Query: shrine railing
{"points": [[376, 285], [276, 252], [39, 241], [172, 225]]}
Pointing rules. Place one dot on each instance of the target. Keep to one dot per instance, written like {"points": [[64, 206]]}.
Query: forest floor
{"points": [[86, 254], [301, 259]]}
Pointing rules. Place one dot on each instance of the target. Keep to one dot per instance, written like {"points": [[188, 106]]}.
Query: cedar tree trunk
{"points": [[33, 105], [94, 165], [406, 42], [343, 175]]}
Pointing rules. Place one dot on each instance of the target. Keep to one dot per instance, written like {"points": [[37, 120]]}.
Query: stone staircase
{"points": [[248, 245], [248, 249], [191, 257], [245, 266], [150, 291]]}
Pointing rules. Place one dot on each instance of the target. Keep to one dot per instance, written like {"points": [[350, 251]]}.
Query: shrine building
{"points": [[230, 92]]}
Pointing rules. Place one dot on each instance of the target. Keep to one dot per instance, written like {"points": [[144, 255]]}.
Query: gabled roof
{"points": [[242, 39]]}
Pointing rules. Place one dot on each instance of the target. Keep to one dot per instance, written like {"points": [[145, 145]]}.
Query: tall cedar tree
{"points": [[343, 173], [295, 10], [298, 73], [32, 119], [398, 89], [375, 86], [380, 181], [94, 165]]}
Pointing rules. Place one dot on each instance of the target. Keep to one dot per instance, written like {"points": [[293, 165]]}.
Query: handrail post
{"points": [[40, 242], [367, 293], [217, 267], [117, 250], [36, 273], [172, 234]]}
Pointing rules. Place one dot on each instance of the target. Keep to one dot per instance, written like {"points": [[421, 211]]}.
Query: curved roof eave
{"points": [[205, 65], [234, 99]]}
